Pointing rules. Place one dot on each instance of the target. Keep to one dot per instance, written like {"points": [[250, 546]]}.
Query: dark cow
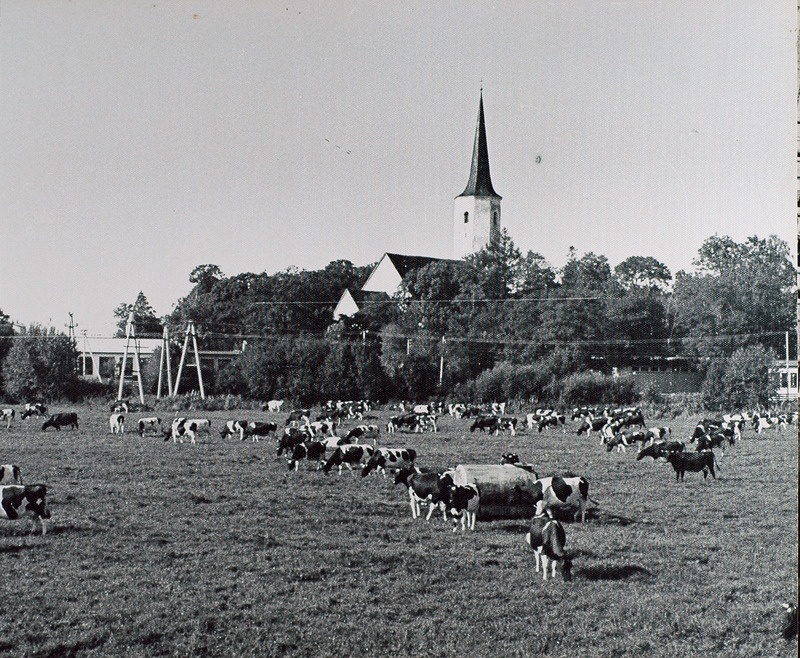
{"points": [[426, 487], [309, 450], [67, 419], [465, 499], [33, 409], [291, 437], [10, 474], [547, 538], [232, 427], [483, 423], [553, 419], [394, 457], [298, 415], [693, 462], [348, 455], [258, 428], [557, 492], [660, 449], [34, 496]]}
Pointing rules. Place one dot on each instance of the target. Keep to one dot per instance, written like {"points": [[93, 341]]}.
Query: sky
{"points": [[141, 139]]}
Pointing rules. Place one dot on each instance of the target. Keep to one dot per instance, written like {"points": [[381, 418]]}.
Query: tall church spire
{"points": [[476, 211], [480, 181]]}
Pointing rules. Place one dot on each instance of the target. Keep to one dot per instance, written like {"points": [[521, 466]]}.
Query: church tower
{"points": [[476, 219]]}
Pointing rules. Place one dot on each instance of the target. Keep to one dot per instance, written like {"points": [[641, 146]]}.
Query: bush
{"points": [[592, 387]]}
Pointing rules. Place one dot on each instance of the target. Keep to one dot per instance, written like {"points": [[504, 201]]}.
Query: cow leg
{"points": [[545, 566]]}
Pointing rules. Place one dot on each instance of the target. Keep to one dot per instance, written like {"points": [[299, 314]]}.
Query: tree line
{"points": [[498, 325]]}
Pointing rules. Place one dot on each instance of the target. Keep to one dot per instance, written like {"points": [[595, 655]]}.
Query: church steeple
{"points": [[480, 180], [476, 216]]}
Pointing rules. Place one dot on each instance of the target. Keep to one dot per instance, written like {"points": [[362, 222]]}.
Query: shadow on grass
{"points": [[16, 548], [614, 572]]}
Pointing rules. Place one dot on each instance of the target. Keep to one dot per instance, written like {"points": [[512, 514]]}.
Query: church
{"points": [[476, 223]]}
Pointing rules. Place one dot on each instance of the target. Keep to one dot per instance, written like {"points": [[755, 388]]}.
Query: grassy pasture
{"points": [[157, 549]]}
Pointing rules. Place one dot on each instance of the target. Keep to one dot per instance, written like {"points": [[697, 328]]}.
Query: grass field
{"points": [[157, 549]]}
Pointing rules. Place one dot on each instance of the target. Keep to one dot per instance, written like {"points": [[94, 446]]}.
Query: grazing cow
{"points": [[396, 457], [348, 455], [151, 423], [117, 423], [659, 449], [591, 424], [456, 410], [483, 423], [507, 423], [430, 487], [549, 418], [547, 538], [291, 437], [274, 406], [232, 427], [363, 432], [67, 419], [465, 499], [307, 450], [583, 412], [7, 415], [426, 422], [10, 474], [763, 422], [498, 408], [33, 409], [34, 496], [299, 415], [693, 462], [409, 420], [119, 407], [789, 628], [620, 442], [190, 427], [258, 428], [557, 492], [323, 427]]}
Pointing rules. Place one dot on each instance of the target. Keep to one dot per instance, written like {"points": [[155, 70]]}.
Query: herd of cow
{"points": [[324, 441]]}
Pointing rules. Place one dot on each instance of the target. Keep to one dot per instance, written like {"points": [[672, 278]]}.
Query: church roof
{"points": [[404, 264], [480, 181]]}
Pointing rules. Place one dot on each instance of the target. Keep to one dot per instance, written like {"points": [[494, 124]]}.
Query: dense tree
{"points": [[6, 332], [740, 296], [643, 271], [19, 374], [145, 321], [41, 363]]}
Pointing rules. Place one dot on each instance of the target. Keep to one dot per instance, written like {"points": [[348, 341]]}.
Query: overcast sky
{"points": [[140, 139]]}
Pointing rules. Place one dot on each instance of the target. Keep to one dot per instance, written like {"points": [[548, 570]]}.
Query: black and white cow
{"points": [[309, 450], [232, 427], [10, 474], [258, 429], [556, 492], [465, 500], [658, 434], [547, 538], [591, 424], [694, 462], [33, 409], [363, 432], [432, 488], [34, 498], [383, 458], [190, 427], [116, 423], [789, 626], [349, 455], [65, 419], [152, 423], [551, 419], [7, 415]]}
